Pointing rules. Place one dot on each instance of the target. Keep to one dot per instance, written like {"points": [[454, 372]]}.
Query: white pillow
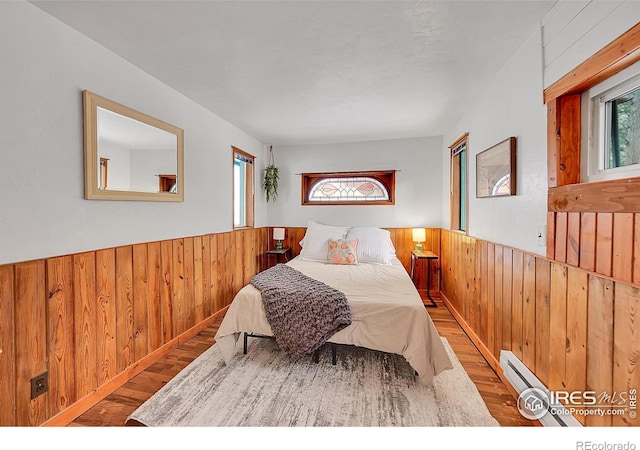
{"points": [[374, 244], [315, 244]]}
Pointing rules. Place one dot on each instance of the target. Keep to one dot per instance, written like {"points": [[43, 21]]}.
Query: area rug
{"points": [[265, 388]]}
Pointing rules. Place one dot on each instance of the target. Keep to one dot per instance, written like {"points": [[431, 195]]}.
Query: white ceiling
{"points": [[293, 72]]}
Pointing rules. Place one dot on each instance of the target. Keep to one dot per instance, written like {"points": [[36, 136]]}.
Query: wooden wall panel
{"points": [[106, 315], [207, 281], [166, 290], [484, 288], [7, 348], [622, 265], [198, 281], [154, 306], [497, 304], [600, 341], [575, 377], [561, 230], [87, 318], [62, 391], [626, 351], [491, 295], [543, 332], [30, 340], [188, 305], [557, 327], [573, 238], [140, 302], [551, 235], [604, 243], [517, 304], [507, 292], [587, 248], [607, 243], [576, 330], [178, 300], [636, 250], [124, 308]]}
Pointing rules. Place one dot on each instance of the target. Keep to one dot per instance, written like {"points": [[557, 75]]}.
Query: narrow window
{"points": [[349, 188], [242, 189], [459, 184]]}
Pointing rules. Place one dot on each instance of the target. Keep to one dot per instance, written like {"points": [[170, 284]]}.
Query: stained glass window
{"points": [[348, 188]]}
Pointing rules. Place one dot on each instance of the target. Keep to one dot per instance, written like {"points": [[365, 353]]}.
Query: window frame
{"points": [[595, 121], [249, 189], [565, 152], [385, 177], [459, 201]]}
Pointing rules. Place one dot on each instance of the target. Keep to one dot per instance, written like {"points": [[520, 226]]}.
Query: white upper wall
{"points": [[418, 184], [511, 105], [574, 30], [45, 67]]}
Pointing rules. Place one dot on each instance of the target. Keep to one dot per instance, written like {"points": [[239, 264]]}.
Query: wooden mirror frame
{"points": [[91, 103]]}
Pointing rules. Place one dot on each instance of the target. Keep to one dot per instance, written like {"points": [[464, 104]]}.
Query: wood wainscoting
{"points": [[93, 320], [575, 329], [402, 241], [607, 243]]}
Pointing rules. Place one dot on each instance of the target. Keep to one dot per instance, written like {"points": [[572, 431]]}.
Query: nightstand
{"points": [[429, 256], [281, 255]]}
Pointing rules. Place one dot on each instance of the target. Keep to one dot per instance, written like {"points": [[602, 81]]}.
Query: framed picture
{"points": [[496, 170]]}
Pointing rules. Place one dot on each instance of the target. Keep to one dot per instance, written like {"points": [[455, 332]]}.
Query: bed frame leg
{"points": [[244, 348], [316, 356], [333, 354]]}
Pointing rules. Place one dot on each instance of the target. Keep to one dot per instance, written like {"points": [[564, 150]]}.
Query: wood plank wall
{"points": [[607, 243], [573, 328], [401, 238], [94, 319], [88, 318]]}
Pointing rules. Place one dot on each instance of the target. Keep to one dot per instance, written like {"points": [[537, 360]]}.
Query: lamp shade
{"points": [[418, 235], [278, 234]]}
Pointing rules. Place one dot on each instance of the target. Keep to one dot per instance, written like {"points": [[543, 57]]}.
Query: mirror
{"points": [[129, 155]]}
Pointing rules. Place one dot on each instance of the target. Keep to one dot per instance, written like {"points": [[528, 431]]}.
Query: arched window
{"points": [[349, 188]]}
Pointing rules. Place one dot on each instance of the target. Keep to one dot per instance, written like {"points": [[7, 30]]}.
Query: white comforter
{"points": [[387, 314]]}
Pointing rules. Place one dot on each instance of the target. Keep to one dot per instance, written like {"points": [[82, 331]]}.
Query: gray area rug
{"points": [[266, 388]]}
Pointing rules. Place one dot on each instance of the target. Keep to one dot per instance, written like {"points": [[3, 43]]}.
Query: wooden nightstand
{"points": [[429, 256], [280, 254]]}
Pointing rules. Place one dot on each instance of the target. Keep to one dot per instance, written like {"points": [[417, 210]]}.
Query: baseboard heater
{"points": [[522, 379]]}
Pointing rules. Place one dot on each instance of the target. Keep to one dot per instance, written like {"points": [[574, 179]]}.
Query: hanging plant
{"points": [[271, 178]]}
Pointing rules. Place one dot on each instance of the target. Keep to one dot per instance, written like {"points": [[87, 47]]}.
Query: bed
{"points": [[387, 312]]}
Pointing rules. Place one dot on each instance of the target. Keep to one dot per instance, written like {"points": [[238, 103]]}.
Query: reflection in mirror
{"points": [[129, 155]]}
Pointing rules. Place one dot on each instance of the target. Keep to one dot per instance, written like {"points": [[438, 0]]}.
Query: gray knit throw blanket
{"points": [[303, 313]]}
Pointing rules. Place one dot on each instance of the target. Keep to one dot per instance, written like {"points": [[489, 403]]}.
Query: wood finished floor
{"points": [[114, 409]]}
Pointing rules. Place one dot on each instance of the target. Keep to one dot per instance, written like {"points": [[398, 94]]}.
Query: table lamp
{"points": [[418, 235], [278, 236]]}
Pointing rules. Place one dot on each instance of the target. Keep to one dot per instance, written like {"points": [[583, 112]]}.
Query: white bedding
{"points": [[387, 314]]}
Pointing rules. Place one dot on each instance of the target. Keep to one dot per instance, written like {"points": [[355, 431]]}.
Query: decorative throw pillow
{"points": [[342, 251], [374, 245]]}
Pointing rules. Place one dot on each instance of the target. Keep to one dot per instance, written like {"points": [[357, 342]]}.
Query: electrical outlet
{"points": [[542, 235], [39, 385]]}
